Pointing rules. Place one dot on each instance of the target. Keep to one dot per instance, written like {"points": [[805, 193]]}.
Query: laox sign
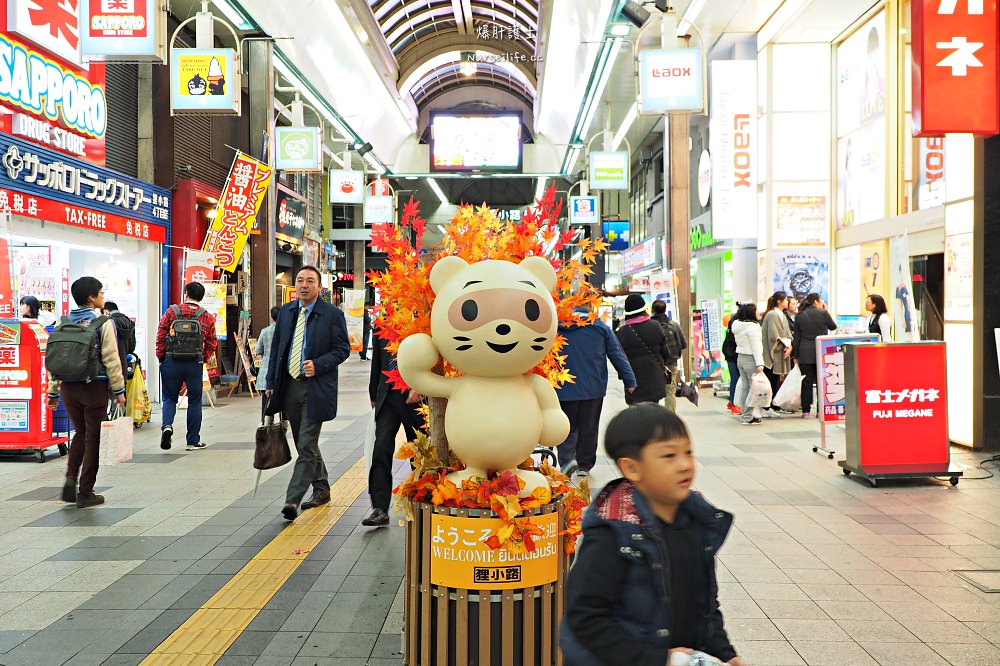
{"points": [[668, 72], [742, 159]]}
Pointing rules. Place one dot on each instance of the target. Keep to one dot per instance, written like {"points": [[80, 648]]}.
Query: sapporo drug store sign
{"points": [[461, 559]]}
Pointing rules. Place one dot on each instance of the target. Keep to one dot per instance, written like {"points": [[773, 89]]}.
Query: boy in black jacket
{"points": [[643, 586]]}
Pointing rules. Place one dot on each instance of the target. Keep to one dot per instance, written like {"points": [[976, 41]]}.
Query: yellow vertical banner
{"points": [[242, 197]]}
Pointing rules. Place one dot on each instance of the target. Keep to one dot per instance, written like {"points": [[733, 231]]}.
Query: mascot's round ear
{"points": [[541, 269], [444, 270]]}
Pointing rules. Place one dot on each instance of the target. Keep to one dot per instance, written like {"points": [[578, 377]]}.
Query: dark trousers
{"points": [[387, 422], [584, 423], [734, 379], [87, 406], [808, 382], [775, 382], [310, 470], [366, 336], [173, 375]]}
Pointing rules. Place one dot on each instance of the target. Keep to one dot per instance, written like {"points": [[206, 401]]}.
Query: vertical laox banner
{"points": [[956, 67], [733, 145]]}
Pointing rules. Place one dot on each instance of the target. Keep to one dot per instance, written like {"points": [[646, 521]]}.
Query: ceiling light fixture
{"points": [[630, 116], [467, 63], [438, 191], [540, 188], [609, 56], [786, 12], [620, 29], [690, 16], [235, 17]]}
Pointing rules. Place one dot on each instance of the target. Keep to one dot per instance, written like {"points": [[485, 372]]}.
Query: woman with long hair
{"points": [[777, 340], [749, 359], [879, 323]]}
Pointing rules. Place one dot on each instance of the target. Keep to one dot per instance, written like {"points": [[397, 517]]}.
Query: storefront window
{"points": [[861, 124]]}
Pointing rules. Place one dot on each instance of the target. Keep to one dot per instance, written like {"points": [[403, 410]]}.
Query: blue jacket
{"points": [[327, 346], [587, 350], [641, 612]]}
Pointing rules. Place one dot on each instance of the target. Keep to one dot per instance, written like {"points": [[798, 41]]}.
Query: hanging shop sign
{"points": [[379, 210], [299, 149], [733, 142], [609, 171], [214, 303], [40, 183], [956, 67], [663, 288], [644, 256], [204, 81], [241, 200], [584, 210], [54, 25], [51, 104], [616, 234], [831, 375], [379, 188], [671, 80], [460, 557], [198, 266], [291, 218], [132, 30], [712, 324], [347, 186]]}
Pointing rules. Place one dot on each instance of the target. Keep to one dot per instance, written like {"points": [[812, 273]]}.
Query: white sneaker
{"points": [[768, 414]]}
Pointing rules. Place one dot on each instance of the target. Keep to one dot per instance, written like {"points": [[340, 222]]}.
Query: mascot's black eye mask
{"points": [[478, 308]]}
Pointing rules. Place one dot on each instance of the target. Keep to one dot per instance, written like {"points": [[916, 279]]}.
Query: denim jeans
{"points": [[174, 374]]}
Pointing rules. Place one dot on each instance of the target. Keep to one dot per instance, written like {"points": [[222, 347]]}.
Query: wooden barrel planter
{"points": [[466, 606]]}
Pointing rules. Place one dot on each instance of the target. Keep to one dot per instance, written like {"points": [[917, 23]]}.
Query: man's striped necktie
{"points": [[295, 357]]}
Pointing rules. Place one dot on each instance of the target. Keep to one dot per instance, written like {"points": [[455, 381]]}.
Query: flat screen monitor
{"points": [[476, 142]]}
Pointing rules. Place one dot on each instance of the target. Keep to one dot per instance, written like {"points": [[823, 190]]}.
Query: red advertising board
{"points": [[897, 417], [956, 67], [25, 419], [78, 216]]}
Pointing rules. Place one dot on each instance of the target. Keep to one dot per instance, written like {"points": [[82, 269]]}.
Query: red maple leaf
{"points": [[60, 16], [396, 380]]}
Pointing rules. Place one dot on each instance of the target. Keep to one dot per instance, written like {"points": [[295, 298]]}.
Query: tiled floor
{"points": [[820, 568]]}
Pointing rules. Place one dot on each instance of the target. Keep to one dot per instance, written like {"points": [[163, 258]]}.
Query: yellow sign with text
{"points": [[460, 557]]}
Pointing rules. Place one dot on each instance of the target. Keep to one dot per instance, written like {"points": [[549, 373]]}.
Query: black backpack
{"points": [[73, 351], [729, 346], [125, 330], [184, 340]]}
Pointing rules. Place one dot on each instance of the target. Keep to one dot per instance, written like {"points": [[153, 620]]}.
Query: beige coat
{"points": [[776, 327]]}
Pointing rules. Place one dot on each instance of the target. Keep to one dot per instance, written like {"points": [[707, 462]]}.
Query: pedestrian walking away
{"points": [[83, 371], [185, 338], [392, 409], [750, 358], [676, 344], [729, 353], [645, 345], [366, 333], [812, 321], [310, 342], [262, 352], [589, 347], [777, 341]]}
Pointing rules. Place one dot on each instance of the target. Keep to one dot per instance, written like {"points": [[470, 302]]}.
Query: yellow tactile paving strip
{"points": [[209, 632]]}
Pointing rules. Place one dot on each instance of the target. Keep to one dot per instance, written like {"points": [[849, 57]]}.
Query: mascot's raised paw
{"points": [[494, 321]]}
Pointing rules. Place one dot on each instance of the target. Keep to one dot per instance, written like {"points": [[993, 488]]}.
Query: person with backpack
{"points": [[84, 366], [184, 340], [676, 344], [732, 357], [125, 329]]}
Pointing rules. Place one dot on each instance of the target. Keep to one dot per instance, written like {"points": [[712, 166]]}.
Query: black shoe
{"points": [[196, 445], [165, 435], [319, 498], [69, 490], [290, 511], [377, 518], [84, 501]]}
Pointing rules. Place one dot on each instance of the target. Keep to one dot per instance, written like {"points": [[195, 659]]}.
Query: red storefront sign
{"points": [[956, 67], [902, 403], [241, 200], [77, 216]]}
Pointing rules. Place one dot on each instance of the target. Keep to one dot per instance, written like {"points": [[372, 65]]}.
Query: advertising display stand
{"points": [[830, 382], [897, 412], [25, 419]]}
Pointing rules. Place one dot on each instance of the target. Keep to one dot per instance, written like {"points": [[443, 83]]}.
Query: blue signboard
{"points": [[40, 172], [616, 235]]}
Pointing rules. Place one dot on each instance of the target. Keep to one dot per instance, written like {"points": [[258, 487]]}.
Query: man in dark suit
{"points": [[392, 409], [310, 341]]}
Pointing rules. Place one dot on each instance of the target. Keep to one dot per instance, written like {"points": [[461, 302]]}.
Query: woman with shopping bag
{"points": [[777, 334], [750, 360]]}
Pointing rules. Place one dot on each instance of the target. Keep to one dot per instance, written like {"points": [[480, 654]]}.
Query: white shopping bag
{"points": [[760, 391], [370, 444], [789, 395], [116, 438]]}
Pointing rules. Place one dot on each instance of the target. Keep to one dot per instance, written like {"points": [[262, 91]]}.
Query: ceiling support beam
{"points": [[467, 11], [456, 6]]}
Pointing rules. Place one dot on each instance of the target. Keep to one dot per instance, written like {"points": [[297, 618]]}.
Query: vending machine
{"points": [[25, 418]]}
